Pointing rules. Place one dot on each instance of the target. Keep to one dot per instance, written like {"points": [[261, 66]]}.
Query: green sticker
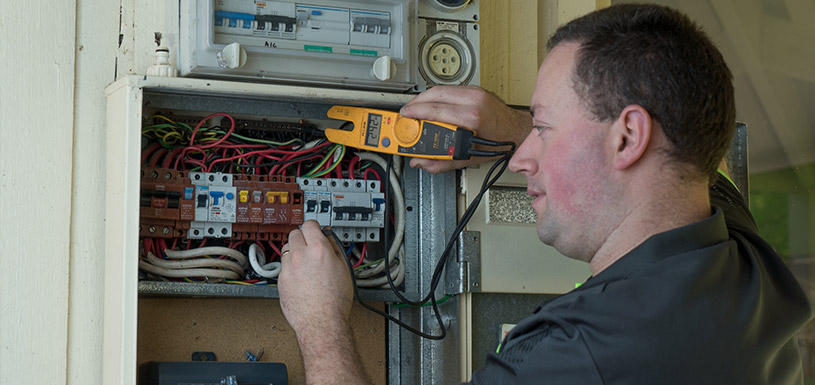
{"points": [[363, 52], [317, 48]]}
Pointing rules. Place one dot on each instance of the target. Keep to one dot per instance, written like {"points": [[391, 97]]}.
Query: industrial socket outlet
{"points": [[444, 60]]}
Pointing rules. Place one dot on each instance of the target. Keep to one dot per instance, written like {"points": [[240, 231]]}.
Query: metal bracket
{"points": [[464, 273]]}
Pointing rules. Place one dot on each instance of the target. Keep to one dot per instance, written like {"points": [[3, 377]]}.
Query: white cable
{"points": [[209, 250], [399, 277], [269, 270], [397, 274], [397, 165], [308, 145], [195, 263], [181, 273], [398, 215]]}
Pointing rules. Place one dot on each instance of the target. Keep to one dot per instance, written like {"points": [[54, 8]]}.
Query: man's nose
{"points": [[523, 160]]}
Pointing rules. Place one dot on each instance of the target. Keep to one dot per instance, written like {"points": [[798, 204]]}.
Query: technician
{"points": [[632, 112]]}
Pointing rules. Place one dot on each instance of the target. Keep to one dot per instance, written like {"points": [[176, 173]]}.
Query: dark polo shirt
{"points": [[708, 303]]}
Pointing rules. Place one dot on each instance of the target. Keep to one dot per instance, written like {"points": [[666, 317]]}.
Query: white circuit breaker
{"points": [[215, 205], [355, 209]]}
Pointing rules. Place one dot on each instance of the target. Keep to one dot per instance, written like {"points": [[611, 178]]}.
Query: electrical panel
{"points": [[391, 45], [220, 192], [348, 44]]}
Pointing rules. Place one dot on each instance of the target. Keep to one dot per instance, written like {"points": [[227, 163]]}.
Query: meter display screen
{"points": [[372, 130]]}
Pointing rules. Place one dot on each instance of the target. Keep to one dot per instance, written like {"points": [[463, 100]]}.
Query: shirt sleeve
{"points": [[723, 194], [551, 353]]}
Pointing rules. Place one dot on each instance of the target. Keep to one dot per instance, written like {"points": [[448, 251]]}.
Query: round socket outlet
{"points": [[444, 60]]}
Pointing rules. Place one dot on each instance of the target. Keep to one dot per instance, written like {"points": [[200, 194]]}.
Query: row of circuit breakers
{"points": [[395, 45], [200, 205]]}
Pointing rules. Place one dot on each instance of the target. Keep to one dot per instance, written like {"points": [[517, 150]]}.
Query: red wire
{"points": [[162, 246], [147, 243], [243, 156], [361, 255], [184, 154], [231, 129], [156, 156], [351, 165], [171, 156], [197, 163], [276, 250], [148, 150], [365, 175]]}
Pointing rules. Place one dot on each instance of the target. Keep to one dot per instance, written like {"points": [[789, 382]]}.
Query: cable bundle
{"points": [[216, 262]]}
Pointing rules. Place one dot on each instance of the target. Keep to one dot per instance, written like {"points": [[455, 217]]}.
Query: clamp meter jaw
{"points": [[389, 132]]}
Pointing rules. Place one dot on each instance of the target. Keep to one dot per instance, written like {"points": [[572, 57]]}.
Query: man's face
{"points": [[565, 160]]}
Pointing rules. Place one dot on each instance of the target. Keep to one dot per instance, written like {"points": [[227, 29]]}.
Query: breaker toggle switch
{"points": [[216, 197]]}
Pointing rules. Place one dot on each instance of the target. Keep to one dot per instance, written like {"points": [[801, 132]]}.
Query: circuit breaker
{"points": [[355, 209]]}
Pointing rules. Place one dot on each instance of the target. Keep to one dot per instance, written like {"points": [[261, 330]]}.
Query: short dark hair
{"points": [[658, 58]]}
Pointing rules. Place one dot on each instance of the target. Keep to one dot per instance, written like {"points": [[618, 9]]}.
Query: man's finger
{"points": [[296, 239], [312, 231], [447, 113]]}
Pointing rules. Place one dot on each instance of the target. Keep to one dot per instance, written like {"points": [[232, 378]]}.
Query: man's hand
{"points": [[314, 284], [469, 107], [316, 294]]}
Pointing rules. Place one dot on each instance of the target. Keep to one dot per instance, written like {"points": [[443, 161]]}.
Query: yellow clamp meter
{"points": [[389, 132]]}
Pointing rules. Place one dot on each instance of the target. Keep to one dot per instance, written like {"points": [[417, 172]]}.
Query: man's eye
{"points": [[540, 129]]}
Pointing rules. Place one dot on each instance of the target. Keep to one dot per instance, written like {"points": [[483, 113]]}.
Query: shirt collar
{"points": [[694, 236]]}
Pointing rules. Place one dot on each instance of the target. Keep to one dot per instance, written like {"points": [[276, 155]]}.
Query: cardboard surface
{"points": [[171, 329]]}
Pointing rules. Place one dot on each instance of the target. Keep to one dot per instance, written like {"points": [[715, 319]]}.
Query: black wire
{"points": [[487, 142], [405, 326], [486, 153], [488, 182]]}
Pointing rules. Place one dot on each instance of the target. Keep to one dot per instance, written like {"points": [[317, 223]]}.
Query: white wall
{"points": [[55, 59], [37, 115], [96, 43]]}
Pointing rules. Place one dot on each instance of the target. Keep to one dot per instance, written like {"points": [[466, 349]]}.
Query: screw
{"points": [[167, 175], [165, 230], [151, 229], [475, 284]]}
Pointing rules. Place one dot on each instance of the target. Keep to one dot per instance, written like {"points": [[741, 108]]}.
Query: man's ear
{"points": [[631, 135]]}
